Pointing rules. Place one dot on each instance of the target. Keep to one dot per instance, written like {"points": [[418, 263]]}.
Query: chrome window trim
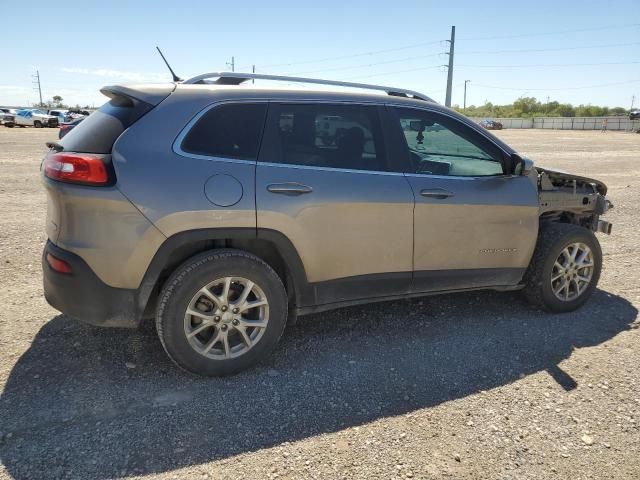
{"points": [[458, 177], [176, 147], [329, 169]]}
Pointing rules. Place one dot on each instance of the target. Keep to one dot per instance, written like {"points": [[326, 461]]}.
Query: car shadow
{"points": [[97, 403]]}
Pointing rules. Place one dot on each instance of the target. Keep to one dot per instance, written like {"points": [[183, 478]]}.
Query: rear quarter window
{"points": [[232, 130], [99, 131]]}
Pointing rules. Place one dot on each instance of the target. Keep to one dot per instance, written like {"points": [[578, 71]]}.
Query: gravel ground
{"points": [[463, 386]]}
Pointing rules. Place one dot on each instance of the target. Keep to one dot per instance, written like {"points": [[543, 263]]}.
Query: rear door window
{"points": [[325, 135], [232, 130]]}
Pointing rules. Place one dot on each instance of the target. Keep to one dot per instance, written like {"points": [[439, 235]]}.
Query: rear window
{"points": [[228, 130], [99, 131]]}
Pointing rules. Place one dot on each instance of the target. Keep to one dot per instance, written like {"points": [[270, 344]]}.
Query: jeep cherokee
{"points": [[224, 211]]}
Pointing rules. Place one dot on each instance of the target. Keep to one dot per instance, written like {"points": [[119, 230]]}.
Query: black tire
{"points": [[11, 125], [194, 274], [552, 240], [37, 124]]}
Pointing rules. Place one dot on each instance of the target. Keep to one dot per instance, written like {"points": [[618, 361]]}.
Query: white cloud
{"points": [[120, 75]]}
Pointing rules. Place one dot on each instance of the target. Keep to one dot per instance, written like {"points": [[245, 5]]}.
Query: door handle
{"points": [[438, 193], [291, 189]]}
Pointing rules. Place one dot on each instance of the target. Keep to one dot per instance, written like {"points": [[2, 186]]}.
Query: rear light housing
{"points": [[57, 264], [79, 168]]}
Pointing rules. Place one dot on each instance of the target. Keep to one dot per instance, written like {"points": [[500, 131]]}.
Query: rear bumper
{"points": [[83, 296]]}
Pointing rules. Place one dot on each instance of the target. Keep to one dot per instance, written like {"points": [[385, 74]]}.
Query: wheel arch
{"points": [[269, 245]]}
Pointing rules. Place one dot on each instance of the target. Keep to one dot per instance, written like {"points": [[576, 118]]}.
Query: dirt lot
{"points": [[463, 386]]}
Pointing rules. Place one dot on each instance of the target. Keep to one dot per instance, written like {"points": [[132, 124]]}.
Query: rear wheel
{"points": [[565, 268], [221, 312]]}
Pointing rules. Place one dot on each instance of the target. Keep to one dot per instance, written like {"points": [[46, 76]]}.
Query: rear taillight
{"points": [[57, 264], [80, 168]]}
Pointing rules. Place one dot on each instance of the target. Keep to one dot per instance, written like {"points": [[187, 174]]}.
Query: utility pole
{"points": [[633, 100], [452, 42], [232, 64], [253, 70], [36, 82], [464, 105]]}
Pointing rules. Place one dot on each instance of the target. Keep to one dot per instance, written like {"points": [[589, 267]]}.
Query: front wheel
{"points": [[221, 312], [37, 124], [564, 269]]}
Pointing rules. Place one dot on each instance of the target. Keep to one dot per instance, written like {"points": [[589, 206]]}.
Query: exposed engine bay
{"points": [[572, 199]]}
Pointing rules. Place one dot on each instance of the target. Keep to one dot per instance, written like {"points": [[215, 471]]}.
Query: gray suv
{"points": [[225, 211]]}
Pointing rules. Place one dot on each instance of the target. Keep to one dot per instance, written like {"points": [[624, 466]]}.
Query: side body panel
{"points": [[102, 227], [168, 188], [351, 227], [469, 231], [484, 235], [354, 227]]}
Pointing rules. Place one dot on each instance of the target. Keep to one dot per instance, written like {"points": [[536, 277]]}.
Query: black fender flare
{"points": [[304, 293]]}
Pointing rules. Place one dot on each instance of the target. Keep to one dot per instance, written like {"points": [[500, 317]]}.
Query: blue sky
{"points": [[506, 48]]}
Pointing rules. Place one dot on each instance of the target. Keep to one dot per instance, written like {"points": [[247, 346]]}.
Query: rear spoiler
{"points": [[151, 94]]}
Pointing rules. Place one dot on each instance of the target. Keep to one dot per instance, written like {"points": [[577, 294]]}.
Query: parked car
{"points": [[35, 118], [61, 115], [78, 112], [634, 115], [68, 126], [221, 213], [7, 117], [490, 124]]}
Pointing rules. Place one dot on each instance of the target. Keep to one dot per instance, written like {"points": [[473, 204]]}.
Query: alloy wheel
{"points": [[226, 318], [572, 272]]}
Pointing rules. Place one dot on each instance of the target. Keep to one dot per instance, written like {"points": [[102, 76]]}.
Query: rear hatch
{"points": [[81, 161]]}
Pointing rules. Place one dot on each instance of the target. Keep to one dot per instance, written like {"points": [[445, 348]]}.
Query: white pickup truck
{"points": [[35, 118]]}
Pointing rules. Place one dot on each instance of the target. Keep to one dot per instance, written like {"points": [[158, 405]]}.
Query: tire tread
{"points": [[182, 271]]}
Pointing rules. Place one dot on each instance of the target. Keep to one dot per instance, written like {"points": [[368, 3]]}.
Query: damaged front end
{"points": [[573, 199]]}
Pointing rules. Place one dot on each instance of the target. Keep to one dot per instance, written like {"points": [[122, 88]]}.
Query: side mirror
{"points": [[522, 166]]}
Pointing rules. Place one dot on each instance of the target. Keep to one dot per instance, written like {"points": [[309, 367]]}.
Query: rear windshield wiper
{"points": [[55, 146]]}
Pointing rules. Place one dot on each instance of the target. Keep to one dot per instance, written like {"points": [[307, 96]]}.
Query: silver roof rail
{"points": [[236, 78]]}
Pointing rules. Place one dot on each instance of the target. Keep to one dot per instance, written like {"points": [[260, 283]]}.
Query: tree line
{"points": [[525, 107], [58, 102]]}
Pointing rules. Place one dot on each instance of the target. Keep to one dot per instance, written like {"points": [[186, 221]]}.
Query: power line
{"points": [[580, 47], [415, 57], [428, 67], [557, 89], [422, 44], [559, 32], [353, 67], [355, 55], [548, 65]]}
